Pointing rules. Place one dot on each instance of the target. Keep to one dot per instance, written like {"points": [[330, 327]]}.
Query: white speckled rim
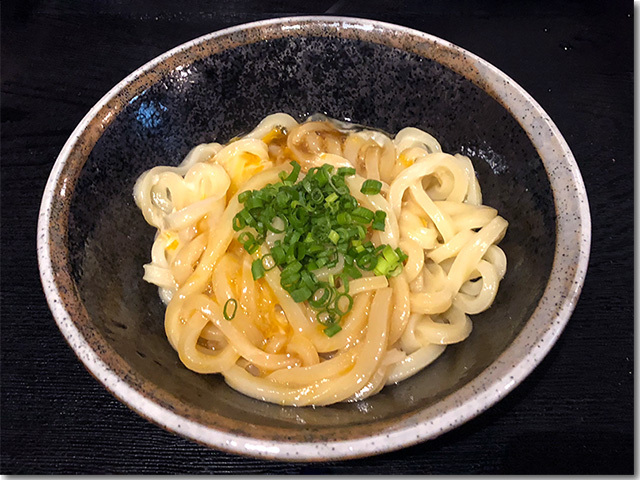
{"points": [[516, 362]]}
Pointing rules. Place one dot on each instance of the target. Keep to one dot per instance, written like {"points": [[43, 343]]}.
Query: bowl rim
{"points": [[540, 332]]}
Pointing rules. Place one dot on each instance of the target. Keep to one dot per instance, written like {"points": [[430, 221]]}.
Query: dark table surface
{"points": [[574, 414]]}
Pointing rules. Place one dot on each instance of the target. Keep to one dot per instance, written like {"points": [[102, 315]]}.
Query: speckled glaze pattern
{"points": [[92, 241]]}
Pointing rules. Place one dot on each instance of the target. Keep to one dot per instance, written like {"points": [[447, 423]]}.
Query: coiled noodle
{"points": [[274, 348]]}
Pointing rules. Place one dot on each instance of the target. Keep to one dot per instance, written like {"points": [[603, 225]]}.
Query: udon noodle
{"points": [[437, 241]]}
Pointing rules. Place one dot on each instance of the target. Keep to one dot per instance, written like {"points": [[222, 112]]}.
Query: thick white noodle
{"points": [[274, 348]]}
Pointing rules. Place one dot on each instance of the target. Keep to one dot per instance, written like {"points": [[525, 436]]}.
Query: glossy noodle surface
{"points": [[435, 260]]}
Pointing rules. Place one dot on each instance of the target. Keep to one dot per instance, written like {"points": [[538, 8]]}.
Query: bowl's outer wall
{"points": [[228, 93]]}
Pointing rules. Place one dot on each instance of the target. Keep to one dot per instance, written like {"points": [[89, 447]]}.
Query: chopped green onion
{"points": [[322, 177], [331, 198], [328, 168], [338, 184], [371, 187], [344, 218], [332, 330], [238, 223], [326, 318], [253, 202], [293, 237], [314, 249], [348, 203], [349, 303], [366, 261], [251, 247], [278, 254], [346, 171], [308, 279], [382, 267], [231, 302], [378, 220], [283, 198], [362, 215], [317, 220], [300, 251], [352, 271], [246, 237], [390, 255], [321, 297], [244, 196], [344, 280], [401, 255], [257, 269], [396, 271], [293, 176], [301, 294], [316, 196], [299, 216], [320, 232], [275, 229], [292, 268], [290, 281]]}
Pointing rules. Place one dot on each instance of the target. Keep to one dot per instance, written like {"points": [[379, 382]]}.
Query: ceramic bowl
{"points": [[92, 240]]}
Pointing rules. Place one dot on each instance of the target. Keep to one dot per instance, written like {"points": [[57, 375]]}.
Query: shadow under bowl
{"points": [[93, 240]]}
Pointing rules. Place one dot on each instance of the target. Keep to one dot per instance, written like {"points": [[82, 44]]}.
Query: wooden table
{"points": [[574, 414]]}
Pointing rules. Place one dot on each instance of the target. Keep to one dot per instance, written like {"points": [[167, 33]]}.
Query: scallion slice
{"points": [[332, 330], [317, 224], [371, 187], [257, 269], [231, 303]]}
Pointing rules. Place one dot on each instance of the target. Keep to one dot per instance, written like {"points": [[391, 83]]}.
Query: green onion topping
{"points": [[371, 187], [332, 330], [257, 269], [232, 302], [319, 225]]}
